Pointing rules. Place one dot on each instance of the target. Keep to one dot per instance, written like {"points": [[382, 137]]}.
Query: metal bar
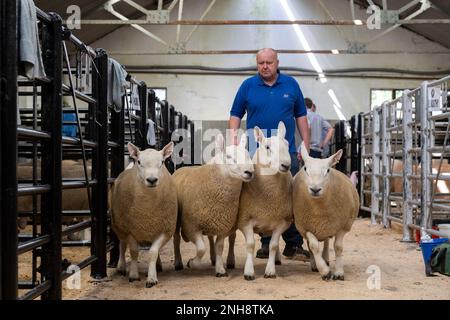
{"points": [[37, 291], [441, 177], [172, 5], [30, 190], [76, 227], [385, 137], [391, 218], [83, 264], [76, 142], [80, 95], [99, 161], [202, 17], [376, 165], [8, 147], [441, 206], [32, 244], [437, 82], [142, 130], [51, 157], [78, 184], [117, 166], [180, 13], [425, 157], [445, 115], [24, 133], [365, 208]]}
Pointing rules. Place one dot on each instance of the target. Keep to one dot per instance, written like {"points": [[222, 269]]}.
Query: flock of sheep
{"points": [[232, 191]]}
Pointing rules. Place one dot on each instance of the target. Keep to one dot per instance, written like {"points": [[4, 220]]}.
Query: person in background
{"points": [[321, 131]]}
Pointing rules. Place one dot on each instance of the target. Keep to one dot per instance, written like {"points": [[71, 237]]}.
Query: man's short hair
{"points": [[308, 103]]}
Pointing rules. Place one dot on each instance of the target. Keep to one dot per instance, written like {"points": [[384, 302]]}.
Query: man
{"points": [[268, 98], [318, 126]]}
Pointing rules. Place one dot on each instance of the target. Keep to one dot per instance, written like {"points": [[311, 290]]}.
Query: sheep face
{"points": [[316, 172], [273, 152], [235, 159], [150, 163]]}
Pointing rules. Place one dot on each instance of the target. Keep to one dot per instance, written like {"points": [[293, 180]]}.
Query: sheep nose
{"points": [[285, 167], [315, 191], [248, 173], [152, 181]]}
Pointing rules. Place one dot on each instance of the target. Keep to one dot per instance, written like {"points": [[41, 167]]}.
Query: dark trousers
{"points": [[315, 154], [291, 236]]}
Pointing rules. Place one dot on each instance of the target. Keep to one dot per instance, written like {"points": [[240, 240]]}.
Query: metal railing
{"points": [[401, 141]]}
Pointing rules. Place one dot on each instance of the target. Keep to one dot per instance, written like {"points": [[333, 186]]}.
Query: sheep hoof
{"points": [[270, 276], [179, 266], [327, 276], [249, 278], [230, 265], [278, 263], [150, 284], [338, 277], [134, 279], [221, 275], [314, 269]]}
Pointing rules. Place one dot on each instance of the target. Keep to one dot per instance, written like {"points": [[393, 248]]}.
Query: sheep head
{"points": [[316, 172], [149, 163], [273, 153], [235, 160]]}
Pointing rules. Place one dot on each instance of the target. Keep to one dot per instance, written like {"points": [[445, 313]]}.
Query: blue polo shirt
{"points": [[267, 105]]}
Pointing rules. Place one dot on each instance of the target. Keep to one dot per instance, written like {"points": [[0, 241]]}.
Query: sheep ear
{"points": [[259, 135], [281, 130], [335, 158], [167, 150], [133, 150], [220, 143], [304, 152], [243, 141]]}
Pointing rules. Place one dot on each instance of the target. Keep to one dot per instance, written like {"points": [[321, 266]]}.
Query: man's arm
{"points": [[302, 125], [234, 124], [328, 137]]}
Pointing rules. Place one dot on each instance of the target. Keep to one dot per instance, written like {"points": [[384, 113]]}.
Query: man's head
{"points": [[267, 62], [308, 102]]}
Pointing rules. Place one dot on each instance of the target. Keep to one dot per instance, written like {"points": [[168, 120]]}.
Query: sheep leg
{"points": [[326, 251], [159, 265], [134, 252], [230, 258], [338, 248], [249, 270], [273, 248], [201, 249], [220, 270], [212, 253], [178, 263], [312, 261], [278, 256], [154, 256], [122, 265], [314, 246]]}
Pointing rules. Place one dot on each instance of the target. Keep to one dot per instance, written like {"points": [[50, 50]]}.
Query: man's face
{"points": [[267, 65]]}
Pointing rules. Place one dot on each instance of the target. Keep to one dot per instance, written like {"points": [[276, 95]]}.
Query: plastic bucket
{"points": [[427, 247], [445, 229]]}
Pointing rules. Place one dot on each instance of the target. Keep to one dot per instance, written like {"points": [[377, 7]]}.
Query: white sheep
{"points": [[266, 202], [208, 200], [325, 204], [144, 208]]}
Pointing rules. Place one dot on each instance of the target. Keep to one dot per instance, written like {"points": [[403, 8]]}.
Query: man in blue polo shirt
{"points": [[268, 98]]}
